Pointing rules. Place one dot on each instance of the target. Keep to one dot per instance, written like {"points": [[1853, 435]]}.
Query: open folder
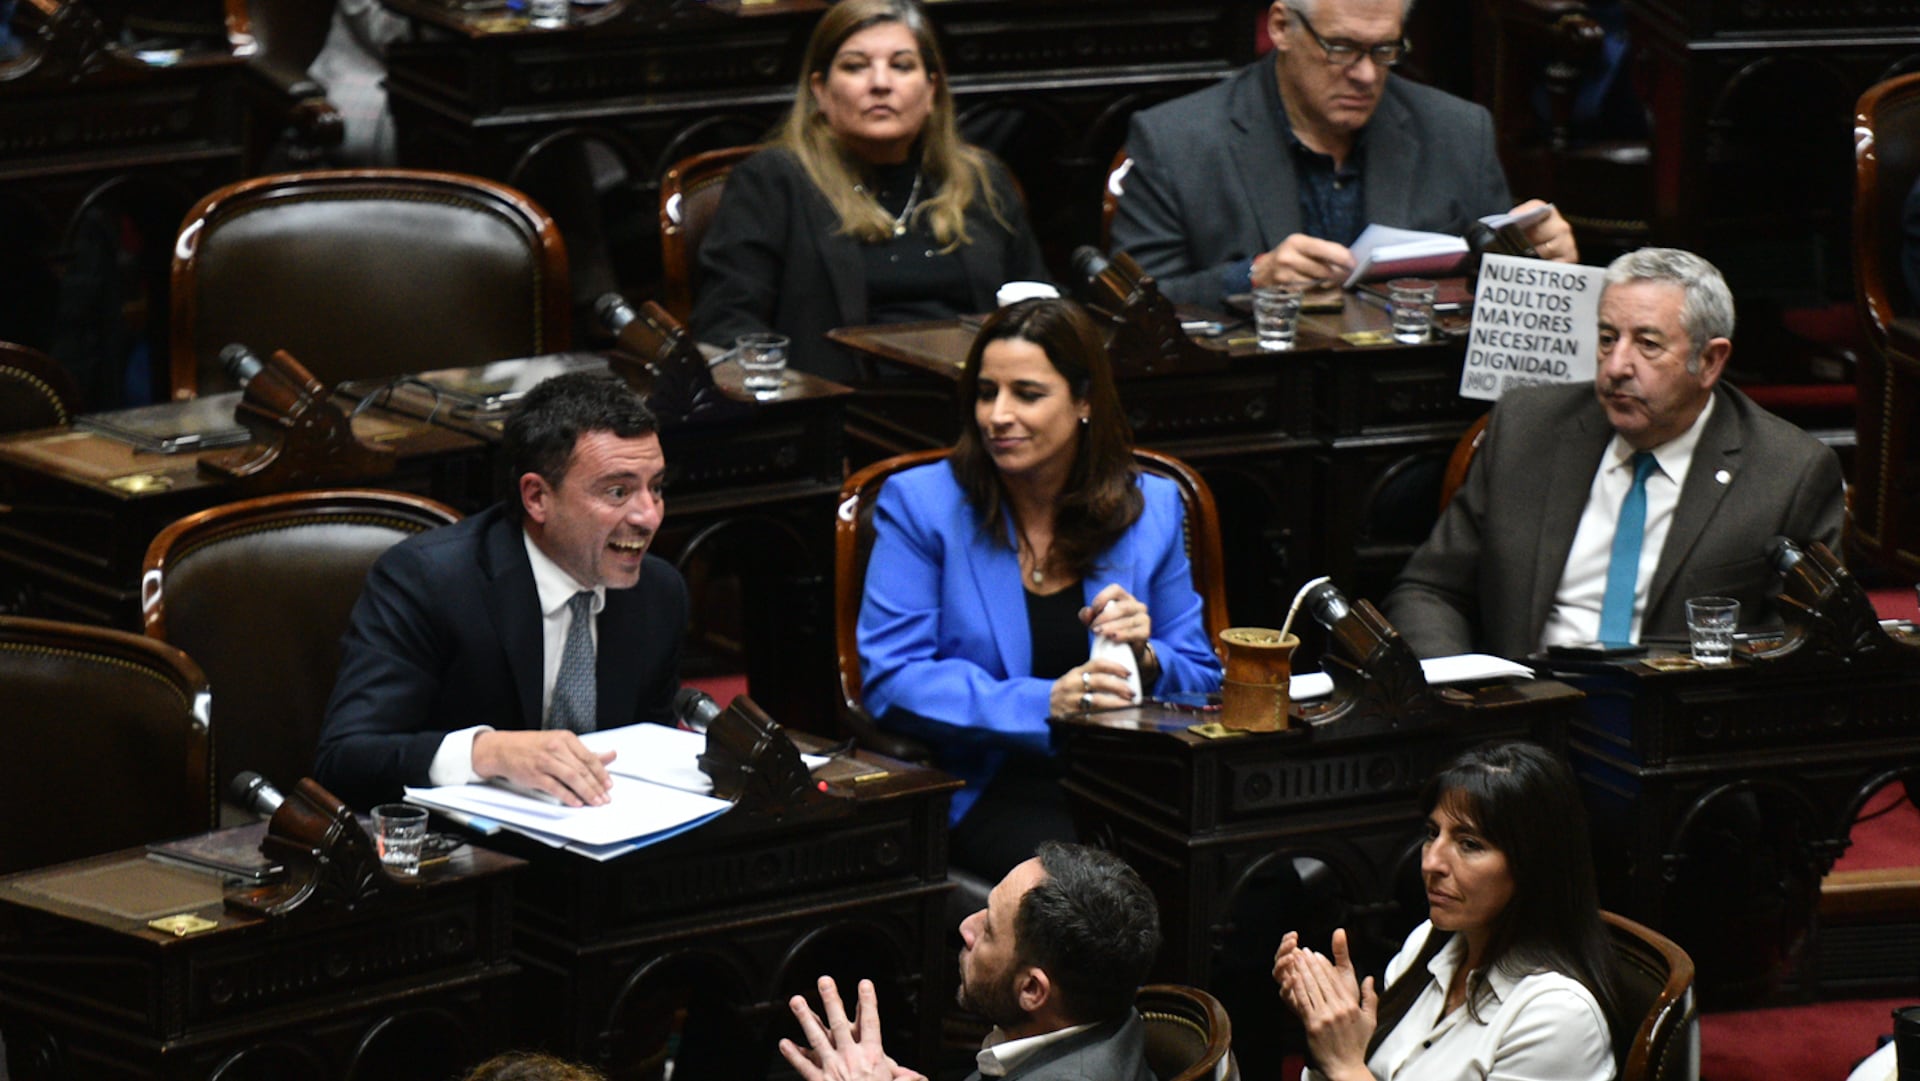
{"points": [[658, 791]]}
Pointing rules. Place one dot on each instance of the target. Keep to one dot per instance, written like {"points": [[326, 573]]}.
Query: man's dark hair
{"points": [[541, 431], [1093, 926]]}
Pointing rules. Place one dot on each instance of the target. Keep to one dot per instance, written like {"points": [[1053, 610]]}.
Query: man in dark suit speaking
{"points": [[1269, 175], [482, 649], [1593, 513]]}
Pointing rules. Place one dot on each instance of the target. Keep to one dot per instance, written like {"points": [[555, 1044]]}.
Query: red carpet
{"points": [[1797, 1043]]}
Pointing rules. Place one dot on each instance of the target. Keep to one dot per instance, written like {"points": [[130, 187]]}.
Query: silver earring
{"points": [[1083, 420]]}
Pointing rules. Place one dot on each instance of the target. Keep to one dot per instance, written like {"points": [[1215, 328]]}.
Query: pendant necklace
{"points": [[906, 212], [1037, 573]]}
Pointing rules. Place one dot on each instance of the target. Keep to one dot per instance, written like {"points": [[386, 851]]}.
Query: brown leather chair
{"points": [[262, 589], [1189, 1036], [853, 543], [1656, 1035], [689, 198], [1462, 459], [1881, 524], [106, 732], [366, 273], [35, 391], [1110, 193]]}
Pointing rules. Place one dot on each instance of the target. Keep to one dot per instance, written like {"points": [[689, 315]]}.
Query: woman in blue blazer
{"points": [[994, 573]]}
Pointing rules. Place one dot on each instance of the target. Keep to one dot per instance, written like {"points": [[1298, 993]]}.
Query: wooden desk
{"points": [[1721, 797], [1245, 838], [704, 937], [85, 506], [749, 497], [416, 984], [1323, 460]]}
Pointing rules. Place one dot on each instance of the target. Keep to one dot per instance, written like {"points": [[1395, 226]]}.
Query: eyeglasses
{"points": [[1342, 53]]}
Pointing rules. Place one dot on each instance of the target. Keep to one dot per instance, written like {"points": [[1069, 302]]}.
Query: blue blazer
{"points": [[944, 646]]}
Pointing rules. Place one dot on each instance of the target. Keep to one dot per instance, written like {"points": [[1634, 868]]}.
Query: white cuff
{"points": [[453, 762]]}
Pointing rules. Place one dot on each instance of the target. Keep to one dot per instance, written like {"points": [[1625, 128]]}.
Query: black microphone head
{"points": [[1327, 603], [1782, 554], [240, 364], [695, 707], [1088, 261], [614, 312], [1481, 238], [255, 793]]}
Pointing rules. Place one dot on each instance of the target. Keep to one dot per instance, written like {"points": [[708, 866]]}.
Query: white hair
{"points": [[1706, 310]]}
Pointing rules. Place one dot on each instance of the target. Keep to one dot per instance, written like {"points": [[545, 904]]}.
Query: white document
{"points": [[658, 791], [1462, 668], [1384, 250]]}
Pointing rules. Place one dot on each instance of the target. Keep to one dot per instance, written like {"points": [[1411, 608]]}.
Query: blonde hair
{"points": [[957, 172]]}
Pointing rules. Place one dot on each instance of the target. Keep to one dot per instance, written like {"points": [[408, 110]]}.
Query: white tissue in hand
{"points": [[1120, 653]]}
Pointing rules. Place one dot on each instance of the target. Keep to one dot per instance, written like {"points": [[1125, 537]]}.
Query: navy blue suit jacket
{"points": [[447, 635]]}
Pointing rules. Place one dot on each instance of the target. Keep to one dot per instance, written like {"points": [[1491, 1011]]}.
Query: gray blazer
{"points": [[1109, 1052], [1485, 579], [1213, 183]]}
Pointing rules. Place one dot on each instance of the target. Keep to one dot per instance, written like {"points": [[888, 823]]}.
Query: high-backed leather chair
{"points": [[1189, 1036], [107, 743], [1881, 523], [366, 273], [1656, 1036], [35, 391], [262, 589], [689, 198], [853, 543]]}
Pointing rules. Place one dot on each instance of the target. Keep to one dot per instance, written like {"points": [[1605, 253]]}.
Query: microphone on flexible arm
{"points": [[695, 708], [255, 793], [614, 312], [241, 365]]}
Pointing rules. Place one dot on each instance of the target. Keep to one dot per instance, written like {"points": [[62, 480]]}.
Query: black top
{"points": [[1059, 638]]}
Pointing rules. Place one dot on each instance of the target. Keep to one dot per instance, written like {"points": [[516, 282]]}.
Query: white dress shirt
{"points": [[453, 762], [1542, 1026], [998, 1055], [1575, 615]]}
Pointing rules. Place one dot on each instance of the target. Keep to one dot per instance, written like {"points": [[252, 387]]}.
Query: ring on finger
{"points": [[1086, 702], [1086, 681]]}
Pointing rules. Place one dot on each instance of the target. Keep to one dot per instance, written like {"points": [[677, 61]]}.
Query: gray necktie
{"points": [[573, 688]]}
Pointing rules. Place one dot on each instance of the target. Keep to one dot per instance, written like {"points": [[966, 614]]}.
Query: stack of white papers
{"points": [[1383, 251], [1463, 668], [658, 792]]}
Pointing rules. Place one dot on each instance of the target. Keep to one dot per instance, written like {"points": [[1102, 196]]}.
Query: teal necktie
{"points": [[1623, 568], [574, 688]]}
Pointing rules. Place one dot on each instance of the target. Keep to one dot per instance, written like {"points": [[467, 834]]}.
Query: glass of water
{"points": [[1276, 315], [763, 362], [400, 830], [1411, 301], [1711, 622]]}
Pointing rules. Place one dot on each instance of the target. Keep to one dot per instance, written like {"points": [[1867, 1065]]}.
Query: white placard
{"points": [[1533, 322]]}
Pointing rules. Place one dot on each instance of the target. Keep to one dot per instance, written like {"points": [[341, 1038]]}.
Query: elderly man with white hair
{"points": [[1591, 514]]}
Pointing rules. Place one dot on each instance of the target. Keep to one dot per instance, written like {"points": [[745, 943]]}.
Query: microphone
{"points": [[1089, 262], [241, 366], [614, 312], [1783, 554], [255, 793], [1327, 603], [695, 708]]}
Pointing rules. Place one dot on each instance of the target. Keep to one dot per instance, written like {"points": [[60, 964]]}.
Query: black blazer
{"points": [[447, 635], [775, 259]]}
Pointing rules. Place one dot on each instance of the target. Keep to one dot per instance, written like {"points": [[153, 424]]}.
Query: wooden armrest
{"points": [[865, 731]]}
